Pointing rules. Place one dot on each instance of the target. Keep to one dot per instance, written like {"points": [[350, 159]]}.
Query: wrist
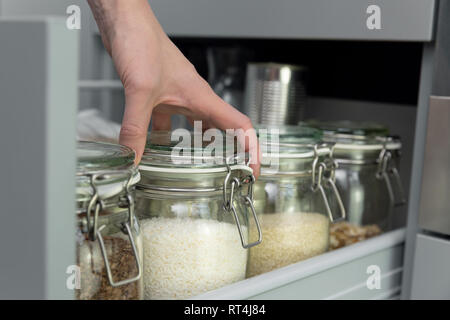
{"points": [[115, 17]]}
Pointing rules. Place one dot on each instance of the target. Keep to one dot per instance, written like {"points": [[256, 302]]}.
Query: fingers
{"points": [[223, 116], [135, 123]]}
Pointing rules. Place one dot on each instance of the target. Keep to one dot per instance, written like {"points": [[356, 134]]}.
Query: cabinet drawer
{"points": [[340, 274], [431, 273]]}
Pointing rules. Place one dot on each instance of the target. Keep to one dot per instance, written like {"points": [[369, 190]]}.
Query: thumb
{"points": [[136, 119]]}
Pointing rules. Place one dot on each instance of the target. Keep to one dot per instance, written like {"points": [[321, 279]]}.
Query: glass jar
{"points": [[367, 174], [109, 244], [292, 197], [195, 215]]}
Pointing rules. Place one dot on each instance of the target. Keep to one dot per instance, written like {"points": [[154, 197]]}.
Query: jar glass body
{"points": [[191, 243], [293, 220], [366, 195], [367, 174], [371, 190], [109, 245], [94, 281]]}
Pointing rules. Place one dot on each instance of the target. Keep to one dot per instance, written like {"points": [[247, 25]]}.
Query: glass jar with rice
{"points": [[195, 211], [292, 197]]}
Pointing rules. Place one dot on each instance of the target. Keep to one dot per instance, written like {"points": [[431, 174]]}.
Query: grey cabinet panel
{"points": [[38, 90], [434, 214], [401, 20], [431, 275]]}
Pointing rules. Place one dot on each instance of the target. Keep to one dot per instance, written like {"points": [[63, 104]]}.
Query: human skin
{"points": [[158, 80]]}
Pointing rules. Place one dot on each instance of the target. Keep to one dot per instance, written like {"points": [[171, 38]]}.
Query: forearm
{"points": [[115, 17]]}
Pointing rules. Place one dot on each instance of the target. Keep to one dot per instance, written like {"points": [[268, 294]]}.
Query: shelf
{"points": [[100, 85], [401, 20], [339, 274]]}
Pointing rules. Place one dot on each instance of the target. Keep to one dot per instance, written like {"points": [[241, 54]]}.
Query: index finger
{"points": [[224, 116]]}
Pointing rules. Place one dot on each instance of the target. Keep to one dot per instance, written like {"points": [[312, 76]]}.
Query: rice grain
{"points": [[184, 257], [288, 238]]}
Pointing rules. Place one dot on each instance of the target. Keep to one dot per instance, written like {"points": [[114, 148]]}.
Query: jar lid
{"points": [[288, 141], [289, 150], [111, 165], [346, 127], [183, 161], [100, 156], [168, 152], [302, 134], [356, 140]]}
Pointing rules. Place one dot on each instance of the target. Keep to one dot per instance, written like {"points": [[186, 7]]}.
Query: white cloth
{"points": [[91, 126]]}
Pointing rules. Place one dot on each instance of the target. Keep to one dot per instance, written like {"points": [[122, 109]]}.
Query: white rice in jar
{"points": [[184, 257], [288, 238]]}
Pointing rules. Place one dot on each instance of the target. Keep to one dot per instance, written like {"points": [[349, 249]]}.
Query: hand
{"points": [[158, 80]]}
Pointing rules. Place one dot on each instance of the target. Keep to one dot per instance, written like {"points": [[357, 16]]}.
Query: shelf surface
{"points": [[401, 20], [339, 274]]}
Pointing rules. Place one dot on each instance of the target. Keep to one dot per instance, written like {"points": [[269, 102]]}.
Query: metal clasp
{"points": [[95, 232], [386, 168], [228, 204], [105, 258], [325, 170], [97, 202], [129, 200]]}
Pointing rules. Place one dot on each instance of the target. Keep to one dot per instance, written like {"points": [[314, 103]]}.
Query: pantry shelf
{"points": [[100, 84], [339, 274]]}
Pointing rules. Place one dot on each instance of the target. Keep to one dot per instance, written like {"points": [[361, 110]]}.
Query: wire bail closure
{"points": [[387, 168], [325, 171], [228, 204], [94, 232]]}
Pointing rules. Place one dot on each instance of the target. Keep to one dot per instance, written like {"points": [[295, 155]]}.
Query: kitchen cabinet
{"points": [[401, 20], [340, 274], [431, 279], [38, 90]]}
